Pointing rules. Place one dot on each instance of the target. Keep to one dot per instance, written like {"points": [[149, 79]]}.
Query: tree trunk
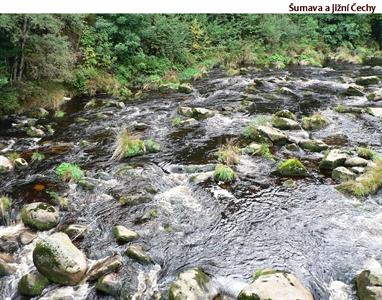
{"points": [[23, 42]]}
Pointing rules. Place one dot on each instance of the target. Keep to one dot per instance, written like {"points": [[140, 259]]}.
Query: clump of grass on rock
{"points": [[224, 173], [291, 167], [314, 122], [368, 183], [127, 145], [366, 153], [229, 154], [70, 172]]}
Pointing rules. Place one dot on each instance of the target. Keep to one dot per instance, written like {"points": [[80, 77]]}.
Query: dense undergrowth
{"points": [[46, 57]]}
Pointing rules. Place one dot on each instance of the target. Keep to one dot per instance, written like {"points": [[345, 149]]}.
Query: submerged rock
{"points": [[285, 123], [333, 159], [32, 284], [104, 266], [276, 286], [313, 145], [40, 216], [342, 174], [124, 235], [59, 260], [193, 284], [367, 80], [109, 284], [273, 134], [369, 284], [137, 253], [6, 269], [5, 164], [353, 91]]}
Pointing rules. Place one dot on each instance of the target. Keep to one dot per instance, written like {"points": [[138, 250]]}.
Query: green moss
{"points": [[152, 146], [32, 284], [201, 278], [176, 121], [368, 183], [224, 173], [69, 172], [5, 209], [314, 122], [12, 156], [261, 150], [37, 156], [261, 272], [291, 167]]}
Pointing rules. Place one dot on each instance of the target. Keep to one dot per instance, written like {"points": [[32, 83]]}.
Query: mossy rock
{"points": [[313, 145], [367, 80], [6, 269], [284, 123], [32, 284], [124, 235], [40, 216], [137, 253], [152, 146], [109, 284], [59, 260], [368, 285], [185, 88], [285, 114], [291, 168], [314, 122], [5, 209]]}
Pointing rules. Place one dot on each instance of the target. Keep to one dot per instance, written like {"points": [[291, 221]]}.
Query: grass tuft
{"points": [[127, 145], [229, 154], [69, 172], [224, 173]]}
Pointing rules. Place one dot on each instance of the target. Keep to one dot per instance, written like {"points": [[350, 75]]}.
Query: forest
{"points": [[47, 57]]}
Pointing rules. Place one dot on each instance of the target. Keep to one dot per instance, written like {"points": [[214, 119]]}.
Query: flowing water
{"points": [[313, 231]]}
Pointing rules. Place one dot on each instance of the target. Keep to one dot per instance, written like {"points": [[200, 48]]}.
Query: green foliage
{"points": [[127, 145], [59, 114], [260, 150], [224, 173], [367, 153], [69, 172]]}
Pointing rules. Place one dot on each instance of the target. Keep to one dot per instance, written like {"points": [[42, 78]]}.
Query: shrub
{"points": [[224, 173], [229, 154], [69, 172], [127, 145], [368, 183], [291, 167]]}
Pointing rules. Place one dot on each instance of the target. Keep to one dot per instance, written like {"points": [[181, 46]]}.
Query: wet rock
{"points": [[291, 168], [286, 91], [59, 260], [91, 104], [137, 253], [185, 88], [337, 139], [5, 164], [124, 235], [292, 147], [369, 284], [9, 243], [367, 80], [273, 134], [35, 132], [5, 210], [193, 284], [290, 183], [189, 122], [314, 122], [196, 112], [104, 266], [285, 123], [353, 91], [40, 216], [76, 231], [285, 114], [335, 158], [313, 145], [141, 126], [276, 286], [32, 284], [26, 237], [356, 162], [6, 269], [375, 111], [109, 284], [358, 170], [342, 174], [149, 215], [21, 163], [375, 96], [40, 113], [201, 177]]}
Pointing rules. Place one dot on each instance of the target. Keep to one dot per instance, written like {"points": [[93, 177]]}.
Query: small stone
{"points": [[356, 162], [313, 145], [273, 134], [333, 159], [35, 132], [137, 253], [285, 123], [201, 177], [27, 237], [124, 235], [189, 122], [375, 96], [104, 266], [289, 183], [32, 284], [286, 91], [76, 231], [292, 147], [109, 284], [5, 165], [342, 174], [358, 170]]}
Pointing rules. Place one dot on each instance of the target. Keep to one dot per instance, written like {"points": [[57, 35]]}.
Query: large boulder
{"points": [[273, 134], [275, 285], [5, 165], [369, 283], [59, 260], [335, 158], [32, 284], [367, 80], [193, 284], [40, 216]]}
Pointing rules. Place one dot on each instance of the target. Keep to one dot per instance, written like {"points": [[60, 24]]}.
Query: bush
{"points": [[224, 173], [69, 172]]}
